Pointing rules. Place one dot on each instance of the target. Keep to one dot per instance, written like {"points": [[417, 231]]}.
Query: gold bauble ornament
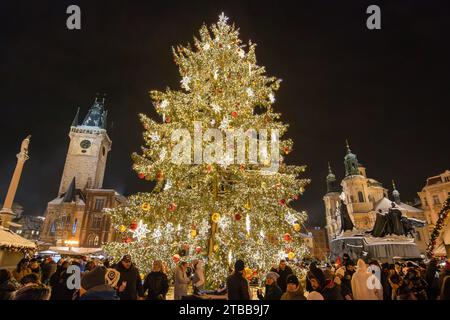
{"points": [[263, 185], [297, 227], [215, 217], [145, 206], [216, 247], [291, 255], [247, 206], [193, 233], [122, 228]]}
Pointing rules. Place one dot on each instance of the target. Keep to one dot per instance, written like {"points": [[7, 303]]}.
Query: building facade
{"points": [[433, 195], [75, 218], [364, 197]]}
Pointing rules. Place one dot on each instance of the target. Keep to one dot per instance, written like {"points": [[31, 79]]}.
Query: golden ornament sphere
{"points": [[146, 206], [193, 233], [215, 217], [216, 247], [122, 228], [263, 185], [297, 227], [291, 255], [247, 206]]}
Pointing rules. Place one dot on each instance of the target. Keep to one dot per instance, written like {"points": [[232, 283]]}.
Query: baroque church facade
{"points": [[364, 197], [76, 216]]}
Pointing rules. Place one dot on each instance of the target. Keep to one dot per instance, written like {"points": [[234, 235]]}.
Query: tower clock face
{"points": [[85, 144]]}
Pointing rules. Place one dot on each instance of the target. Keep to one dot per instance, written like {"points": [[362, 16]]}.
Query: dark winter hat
{"points": [[318, 275], [93, 278], [292, 279], [239, 265], [126, 258]]}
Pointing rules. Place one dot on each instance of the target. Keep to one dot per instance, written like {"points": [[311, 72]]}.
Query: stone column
{"points": [[6, 214]]}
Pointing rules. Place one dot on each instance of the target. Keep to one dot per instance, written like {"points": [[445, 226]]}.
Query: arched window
{"points": [[74, 227], [93, 240], [360, 196], [52, 228]]}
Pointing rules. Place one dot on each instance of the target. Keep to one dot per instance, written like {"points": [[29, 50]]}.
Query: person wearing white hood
{"points": [[363, 287], [198, 278]]}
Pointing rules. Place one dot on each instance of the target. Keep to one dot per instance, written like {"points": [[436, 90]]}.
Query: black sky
{"points": [[387, 91]]}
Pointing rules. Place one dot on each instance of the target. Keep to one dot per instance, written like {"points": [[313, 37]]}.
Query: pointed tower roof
{"points": [[395, 193], [351, 162], [331, 180], [70, 195], [75, 120], [96, 114]]}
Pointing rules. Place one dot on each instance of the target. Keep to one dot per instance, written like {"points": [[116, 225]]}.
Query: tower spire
{"points": [[331, 180], [75, 119], [395, 193], [348, 146]]}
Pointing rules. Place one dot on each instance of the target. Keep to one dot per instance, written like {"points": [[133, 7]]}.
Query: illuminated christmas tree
{"points": [[221, 193]]}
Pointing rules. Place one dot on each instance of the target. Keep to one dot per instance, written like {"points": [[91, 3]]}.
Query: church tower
{"points": [[331, 202], [88, 150]]}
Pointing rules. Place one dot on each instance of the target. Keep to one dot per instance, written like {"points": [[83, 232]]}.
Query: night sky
{"points": [[387, 90]]}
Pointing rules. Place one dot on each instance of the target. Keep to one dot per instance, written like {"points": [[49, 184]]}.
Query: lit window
{"points": [[99, 204], [436, 199], [74, 227], [360, 196]]}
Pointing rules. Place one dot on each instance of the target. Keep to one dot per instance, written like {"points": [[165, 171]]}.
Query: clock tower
{"points": [[88, 150]]}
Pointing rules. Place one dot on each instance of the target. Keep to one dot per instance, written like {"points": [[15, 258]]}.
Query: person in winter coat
{"points": [[237, 285], [7, 287], [198, 278], [35, 268], [294, 290], [58, 283], [130, 283], [273, 291], [432, 278], [48, 268], [344, 285], [99, 284], [156, 283], [21, 270], [283, 271], [360, 287], [181, 281], [314, 273], [32, 292]]}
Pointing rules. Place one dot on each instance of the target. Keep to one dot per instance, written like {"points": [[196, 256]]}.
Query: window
{"points": [[93, 240], [96, 222], [99, 204], [360, 196], [74, 227], [436, 199], [53, 228], [19, 231]]}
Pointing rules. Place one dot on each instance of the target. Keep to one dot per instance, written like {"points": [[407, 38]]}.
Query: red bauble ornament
{"points": [[160, 176], [208, 168], [287, 237], [172, 207], [127, 240], [198, 250], [282, 202], [234, 114], [242, 166], [237, 217], [141, 175], [295, 197], [133, 226], [287, 150], [167, 119]]}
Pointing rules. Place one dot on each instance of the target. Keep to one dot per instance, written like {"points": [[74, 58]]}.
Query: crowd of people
{"points": [[342, 280]]}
